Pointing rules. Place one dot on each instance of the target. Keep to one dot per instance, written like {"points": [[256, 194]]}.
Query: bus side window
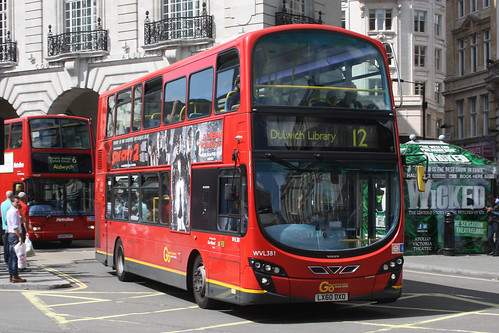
{"points": [[6, 129], [165, 202], [110, 116], [229, 201], [16, 135], [150, 198], [120, 197], [174, 102], [137, 107], [200, 94], [227, 72], [151, 116], [123, 112]]}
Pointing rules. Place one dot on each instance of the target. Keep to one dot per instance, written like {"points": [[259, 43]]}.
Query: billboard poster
{"points": [[178, 147], [458, 182]]}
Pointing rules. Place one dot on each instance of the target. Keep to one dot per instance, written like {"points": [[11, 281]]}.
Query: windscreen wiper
{"points": [[283, 162]]}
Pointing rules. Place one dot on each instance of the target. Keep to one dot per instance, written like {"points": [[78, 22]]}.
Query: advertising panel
{"points": [[458, 182]]}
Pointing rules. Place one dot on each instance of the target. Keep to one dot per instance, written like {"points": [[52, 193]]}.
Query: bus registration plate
{"points": [[65, 236], [333, 297]]}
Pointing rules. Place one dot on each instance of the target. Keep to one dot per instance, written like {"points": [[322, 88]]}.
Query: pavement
{"points": [[42, 277]]}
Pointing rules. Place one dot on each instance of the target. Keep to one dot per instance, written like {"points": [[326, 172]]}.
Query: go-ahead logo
{"points": [[168, 255]]}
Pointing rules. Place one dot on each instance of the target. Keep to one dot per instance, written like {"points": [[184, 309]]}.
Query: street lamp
{"points": [[424, 104]]}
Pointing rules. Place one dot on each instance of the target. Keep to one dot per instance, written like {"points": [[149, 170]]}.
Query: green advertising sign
{"points": [[458, 182]]}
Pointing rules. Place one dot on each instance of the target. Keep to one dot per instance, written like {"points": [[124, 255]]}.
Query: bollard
{"points": [[449, 241]]}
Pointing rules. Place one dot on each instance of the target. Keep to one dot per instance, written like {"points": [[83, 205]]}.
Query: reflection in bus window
{"points": [[174, 106], [152, 103], [311, 69], [123, 112], [200, 94], [137, 107], [227, 72]]}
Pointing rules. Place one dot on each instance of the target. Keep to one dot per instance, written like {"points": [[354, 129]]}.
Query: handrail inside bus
{"points": [[317, 87]]}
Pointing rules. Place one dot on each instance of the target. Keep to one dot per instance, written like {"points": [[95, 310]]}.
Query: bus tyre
{"points": [[199, 285], [119, 263]]}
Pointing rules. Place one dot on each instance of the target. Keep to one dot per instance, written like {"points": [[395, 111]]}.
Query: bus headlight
{"points": [[264, 271]]}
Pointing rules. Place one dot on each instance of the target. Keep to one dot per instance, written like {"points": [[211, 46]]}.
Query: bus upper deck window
{"points": [[227, 78], [174, 102], [151, 116], [200, 94], [110, 116]]}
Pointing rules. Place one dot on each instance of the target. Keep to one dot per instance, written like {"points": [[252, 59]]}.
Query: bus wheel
{"points": [[199, 287], [119, 263]]}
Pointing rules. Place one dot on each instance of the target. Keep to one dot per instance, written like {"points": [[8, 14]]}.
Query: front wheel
{"points": [[119, 263], [199, 284]]}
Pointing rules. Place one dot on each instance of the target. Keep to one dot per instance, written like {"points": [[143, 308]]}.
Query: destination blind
{"points": [[324, 134]]}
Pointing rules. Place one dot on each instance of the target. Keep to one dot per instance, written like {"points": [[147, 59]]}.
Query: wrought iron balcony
{"points": [[8, 50], [283, 17], [78, 43], [178, 28]]}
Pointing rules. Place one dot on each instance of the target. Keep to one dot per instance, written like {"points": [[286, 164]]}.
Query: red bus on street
{"points": [[50, 158], [288, 189]]}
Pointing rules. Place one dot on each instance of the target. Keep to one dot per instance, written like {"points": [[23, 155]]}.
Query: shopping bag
{"points": [[30, 250], [21, 255]]}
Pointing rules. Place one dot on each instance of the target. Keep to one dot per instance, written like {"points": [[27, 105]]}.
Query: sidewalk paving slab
{"points": [[37, 278]]}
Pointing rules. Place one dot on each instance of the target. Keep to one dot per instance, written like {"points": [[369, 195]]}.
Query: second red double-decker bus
{"points": [[264, 170], [50, 158]]}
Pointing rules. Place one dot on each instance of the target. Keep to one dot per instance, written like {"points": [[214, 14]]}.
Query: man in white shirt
{"points": [[13, 232]]}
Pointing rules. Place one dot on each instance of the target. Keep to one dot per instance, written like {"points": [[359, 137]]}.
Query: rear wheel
{"points": [[199, 285], [119, 262]]}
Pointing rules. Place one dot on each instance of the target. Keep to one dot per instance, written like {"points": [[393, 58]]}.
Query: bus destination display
{"points": [[304, 133]]}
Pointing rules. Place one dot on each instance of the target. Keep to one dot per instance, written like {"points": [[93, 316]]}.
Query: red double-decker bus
{"points": [[50, 158], [287, 190]]}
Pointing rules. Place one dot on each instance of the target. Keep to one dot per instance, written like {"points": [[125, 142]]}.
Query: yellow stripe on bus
{"points": [[223, 284]]}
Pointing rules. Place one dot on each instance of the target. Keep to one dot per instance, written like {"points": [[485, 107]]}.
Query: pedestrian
{"points": [[493, 225], [13, 237], [4, 207], [26, 222]]}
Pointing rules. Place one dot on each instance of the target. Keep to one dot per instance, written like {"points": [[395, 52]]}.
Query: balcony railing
{"points": [[178, 28], [283, 17], [8, 50], [77, 42]]}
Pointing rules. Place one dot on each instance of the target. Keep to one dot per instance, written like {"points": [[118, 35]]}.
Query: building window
{"points": [[473, 117], [438, 59], [438, 92], [473, 6], [461, 9], [3, 21], [486, 3], [419, 88], [79, 15], [474, 53], [380, 19], [460, 119], [180, 8], [419, 21], [461, 56], [343, 19], [485, 112], [419, 56], [486, 48], [297, 7], [438, 25]]}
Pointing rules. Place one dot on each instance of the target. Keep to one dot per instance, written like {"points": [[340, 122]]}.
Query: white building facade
{"points": [[416, 30], [57, 56]]}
